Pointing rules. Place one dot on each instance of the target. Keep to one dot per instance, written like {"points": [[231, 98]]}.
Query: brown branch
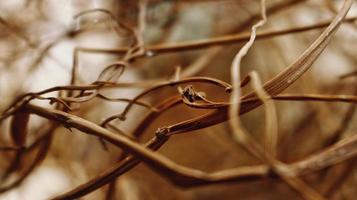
{"points": [[205, 43], [274, 86], [184, 176]]}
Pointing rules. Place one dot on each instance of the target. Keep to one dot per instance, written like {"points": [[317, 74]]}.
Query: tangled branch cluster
{"points": [[67, 100]]}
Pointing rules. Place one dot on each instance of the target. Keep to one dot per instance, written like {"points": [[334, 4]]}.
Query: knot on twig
{"points": [[161, 133], [122, 117], [228, 89], [191, 95]]}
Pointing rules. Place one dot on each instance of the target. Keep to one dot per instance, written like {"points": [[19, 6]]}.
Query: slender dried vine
{"points": [[186, 89]]}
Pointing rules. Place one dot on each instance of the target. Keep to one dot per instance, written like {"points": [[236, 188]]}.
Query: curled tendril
{"points": [[112, 73], [114, 20]]}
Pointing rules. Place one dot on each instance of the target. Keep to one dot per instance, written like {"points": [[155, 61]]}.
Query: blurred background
{"points": [[37, 41]]}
